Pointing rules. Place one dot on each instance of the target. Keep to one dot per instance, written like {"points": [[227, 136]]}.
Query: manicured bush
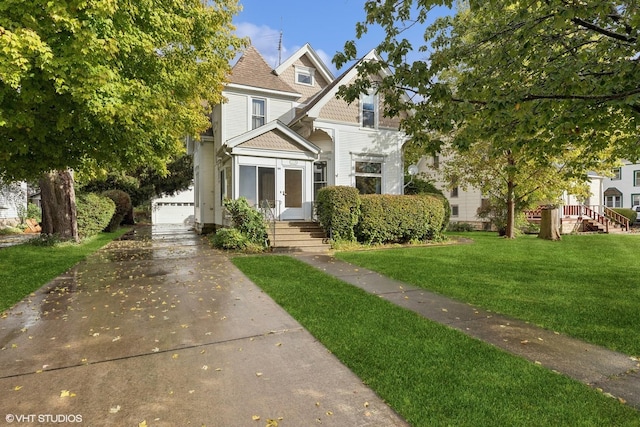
{"points": [[94, 213], [419, 186], [630, 214], [399, 218], [229, 239], [338, 210], [248, 221], [123, 208]]}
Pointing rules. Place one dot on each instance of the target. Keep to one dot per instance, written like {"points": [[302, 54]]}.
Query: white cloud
{"points": [[263, 38], [267, 39]]}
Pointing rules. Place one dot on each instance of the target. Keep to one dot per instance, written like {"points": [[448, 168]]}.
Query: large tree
{"points": [[549, 76], [105, 84]]}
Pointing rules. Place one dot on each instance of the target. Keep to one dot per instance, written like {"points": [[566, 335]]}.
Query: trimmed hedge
{"points": [[123, 207], [94, 213], [399, 218], [630, 214], [338, 210]]}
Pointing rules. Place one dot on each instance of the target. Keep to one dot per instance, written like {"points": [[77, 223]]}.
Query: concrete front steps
{"points": [[297, 236]]}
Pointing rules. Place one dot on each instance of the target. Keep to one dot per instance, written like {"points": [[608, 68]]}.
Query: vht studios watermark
{"points": [[43, 418]]}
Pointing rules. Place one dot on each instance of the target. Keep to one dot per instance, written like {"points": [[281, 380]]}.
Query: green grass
{"points": [[25, 268], [430, 374], [585, 286]]}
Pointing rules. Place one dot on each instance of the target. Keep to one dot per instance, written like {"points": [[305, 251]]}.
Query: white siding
{"points": [[9, 202], [352, 142], [203, 162], [235, 116], [280, 110], [625, 184]]}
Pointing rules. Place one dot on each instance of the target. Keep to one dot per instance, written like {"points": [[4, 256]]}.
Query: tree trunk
{"points": [[549, 224], [59, 205], [510, 231]]}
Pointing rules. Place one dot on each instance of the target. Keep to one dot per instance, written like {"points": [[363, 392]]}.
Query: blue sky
{"points": [[326, 28]]}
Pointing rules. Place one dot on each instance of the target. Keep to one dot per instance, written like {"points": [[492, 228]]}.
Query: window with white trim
{"points": [[304, 75], [319, 177], [613, 201], [258, 112], [368, 174], [617, 174], [368, 110]]}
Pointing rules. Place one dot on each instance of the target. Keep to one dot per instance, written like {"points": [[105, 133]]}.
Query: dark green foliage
{"points": [[460, 226], [94, 213], [420, 186], [338, 210], [248, 221], [145, 183], [34, 211], [630, 214], [399, 219], [229, 239], [123, 207]]}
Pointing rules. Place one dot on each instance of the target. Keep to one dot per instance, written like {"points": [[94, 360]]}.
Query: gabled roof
{"points": [[274, 136], [318, 64], [314, 106], [252, 70]]}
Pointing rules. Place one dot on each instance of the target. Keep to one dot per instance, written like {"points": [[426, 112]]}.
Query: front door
{"points": [[293, 194]]}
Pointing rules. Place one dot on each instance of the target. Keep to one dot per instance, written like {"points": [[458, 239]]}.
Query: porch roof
{"points": [[273, 136]]}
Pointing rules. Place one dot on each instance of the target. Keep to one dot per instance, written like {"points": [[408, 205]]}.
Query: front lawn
{"points": [[27, 267], [586, 286], [430, 374]]}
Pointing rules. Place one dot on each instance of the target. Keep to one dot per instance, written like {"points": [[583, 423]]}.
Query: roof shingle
{"points": [[252, 70]]}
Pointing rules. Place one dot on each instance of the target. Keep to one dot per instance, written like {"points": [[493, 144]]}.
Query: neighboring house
{"points": [[13, 198], [175, 209], [466, 203], [283, 134], [622, 190]]}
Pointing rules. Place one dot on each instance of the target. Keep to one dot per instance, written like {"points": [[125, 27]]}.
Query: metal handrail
{"points": [[267, 207]]}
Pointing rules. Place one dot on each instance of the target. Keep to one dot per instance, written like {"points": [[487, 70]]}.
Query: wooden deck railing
{"points": [[599, 214]]}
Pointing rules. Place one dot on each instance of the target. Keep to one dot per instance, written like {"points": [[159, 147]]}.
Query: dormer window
{"points": [[304, 75]]}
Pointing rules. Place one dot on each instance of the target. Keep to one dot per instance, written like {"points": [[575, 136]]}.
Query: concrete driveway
{"points": [[161, 330]]}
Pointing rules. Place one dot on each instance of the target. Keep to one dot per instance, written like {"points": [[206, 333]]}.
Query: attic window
{"points": [[368, 110], [304, 75]]}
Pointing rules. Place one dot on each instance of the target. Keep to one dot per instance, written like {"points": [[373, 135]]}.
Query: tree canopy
{"points": [[561, 72], [530, 84], [107, 83]]}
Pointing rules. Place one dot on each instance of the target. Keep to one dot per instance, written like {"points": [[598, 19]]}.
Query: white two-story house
{"points": [[283, 134]]}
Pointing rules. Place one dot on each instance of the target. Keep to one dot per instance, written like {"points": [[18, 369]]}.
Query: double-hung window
{"points": [[258, 112], [617, 174], [368, 176], [613, 201]]}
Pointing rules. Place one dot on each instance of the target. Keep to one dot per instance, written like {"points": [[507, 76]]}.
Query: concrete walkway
{"points": [[161, 330], [614, 373]]}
